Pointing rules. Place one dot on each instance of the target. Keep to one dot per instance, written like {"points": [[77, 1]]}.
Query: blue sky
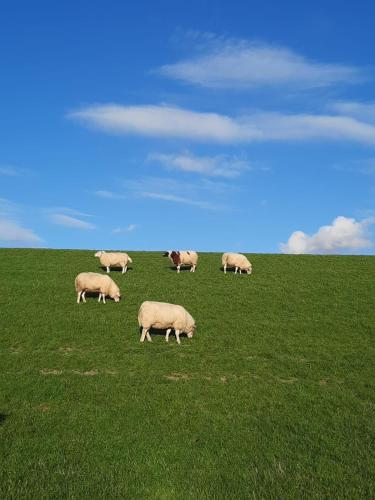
{"points": [[214, 126]]}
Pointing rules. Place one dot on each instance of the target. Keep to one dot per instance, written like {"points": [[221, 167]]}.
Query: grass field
{"points": [[274, 397]]}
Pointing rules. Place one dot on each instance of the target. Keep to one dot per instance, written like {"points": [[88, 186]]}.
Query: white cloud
{"points": [[108, 194], [220, 165], [167, 121], [240, 64], [364, 111], [9, 171], [365, 166], [8, 207], [172, 190], [163, 121], [127, 229], [277, 126], [343, 234], [66, 220], [178, 199], [67, 210], [11, 232]]}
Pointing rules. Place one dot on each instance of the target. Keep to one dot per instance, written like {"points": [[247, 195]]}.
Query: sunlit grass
{"points": [[274, 397]]}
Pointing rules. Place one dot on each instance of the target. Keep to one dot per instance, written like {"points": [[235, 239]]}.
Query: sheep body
{"points": [[183, 258], [161, 315], [236, 260], [95, 282], [114, 259]]}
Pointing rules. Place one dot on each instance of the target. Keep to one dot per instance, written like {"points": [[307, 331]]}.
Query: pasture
{"points": [[274, 397]]}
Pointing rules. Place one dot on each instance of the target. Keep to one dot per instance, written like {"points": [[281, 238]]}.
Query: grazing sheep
{"points": [[114, 259], [95, 282], [161, 315], [236, 260], [183, 258]]}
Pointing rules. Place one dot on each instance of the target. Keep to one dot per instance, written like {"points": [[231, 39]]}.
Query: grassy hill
{"points": [[274, 397]]}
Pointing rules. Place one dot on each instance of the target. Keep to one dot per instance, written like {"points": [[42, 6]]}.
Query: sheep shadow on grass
{"points": [[95, 295], [182, 268], [116, 269], [3, 417], [229, 269], [162, 332]]}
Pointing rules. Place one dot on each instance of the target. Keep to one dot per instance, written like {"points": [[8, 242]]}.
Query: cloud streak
{"points": [[364, 111], [11, 232], [242, 64], [161, 121], [171, 190], [128, 229], [215, 166], [9, 171], [173, 122], [67, 221], [108, 195], [343, 234], [178, 199]]}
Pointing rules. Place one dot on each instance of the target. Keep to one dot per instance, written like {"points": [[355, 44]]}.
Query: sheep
{"points": [[95, 282], [111, 259], [161, 315], [185, 258], [236, 260]]}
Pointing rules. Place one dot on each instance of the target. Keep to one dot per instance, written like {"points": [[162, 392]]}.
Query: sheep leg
{"points": [[107, 269], [225, 269], [79, 297], [144, 331], [177, 332], [100, 296], [103, 297], [178, 268], [240, 271], [124, 269], [235, 272], [167, 334], [194, 267], [84, 297], [148, 336]]}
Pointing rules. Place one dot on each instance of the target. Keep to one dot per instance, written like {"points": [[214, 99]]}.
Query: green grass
{"points": [[274, 397]]}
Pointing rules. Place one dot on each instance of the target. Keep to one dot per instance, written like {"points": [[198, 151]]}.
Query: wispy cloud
{"points": [[109, 195], [364, 111], [67, 221], [9, 171], [178, 199], [8, 207], [344, 233], [216, 166], [163, 121], [365, 166], [175, 191], [12, 232], [241, 64], [167, 121], [67, 210], [126, 229]]}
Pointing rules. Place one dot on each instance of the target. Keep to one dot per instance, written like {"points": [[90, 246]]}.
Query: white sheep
{"points": [[236, 260], [95, 282], [161, 315], [183, 258], [114, 259]]}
